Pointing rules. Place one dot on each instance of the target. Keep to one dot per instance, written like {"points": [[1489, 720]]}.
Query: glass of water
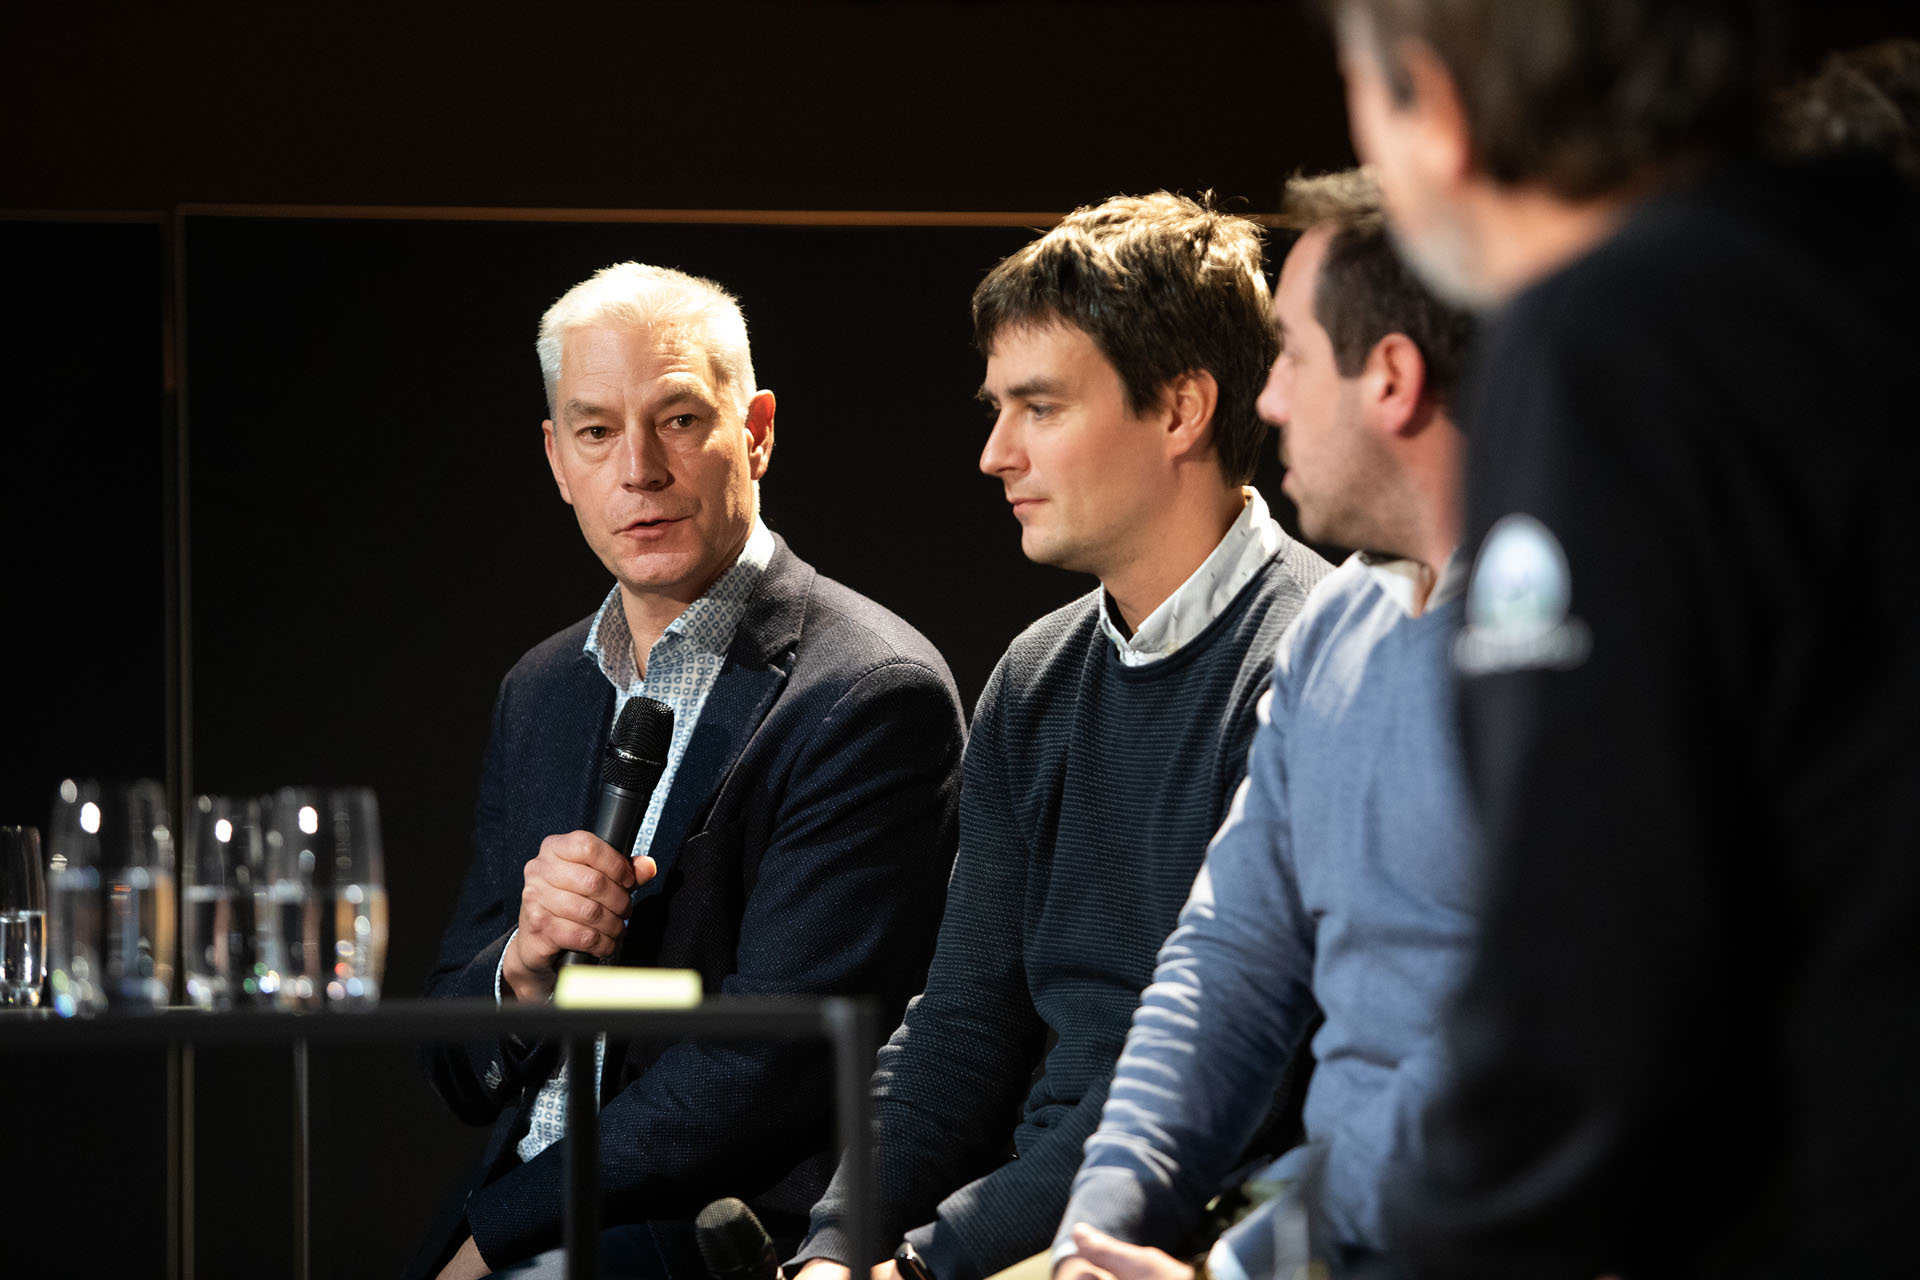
{"points": [[23, 917], [357, 892], [286, 899], [218, 942], [324, 895], [77, 977], [137, 902]]}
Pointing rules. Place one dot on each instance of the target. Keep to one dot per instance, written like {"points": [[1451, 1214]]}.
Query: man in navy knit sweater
{"points": [[1125, 350], [1343, 879]]}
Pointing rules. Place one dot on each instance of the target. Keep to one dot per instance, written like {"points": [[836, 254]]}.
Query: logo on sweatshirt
{"points": [[1517, 604]]}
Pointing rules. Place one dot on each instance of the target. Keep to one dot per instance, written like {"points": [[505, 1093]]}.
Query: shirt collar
{"points": [[1249, 543], [1402, 579], [708, 623]]}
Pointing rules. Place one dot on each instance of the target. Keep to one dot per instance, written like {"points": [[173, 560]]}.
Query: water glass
{"points": [[76, 969], [359, 898], [23, 917], [324, 892], [137, 896], [285, 900], [219, 944]]}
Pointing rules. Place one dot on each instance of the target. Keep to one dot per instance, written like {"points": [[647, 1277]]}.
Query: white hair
{"points": [[634, 295]]}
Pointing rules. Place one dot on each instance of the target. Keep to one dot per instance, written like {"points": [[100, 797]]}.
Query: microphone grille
{"points": [[637, 751], [732, 1241]]}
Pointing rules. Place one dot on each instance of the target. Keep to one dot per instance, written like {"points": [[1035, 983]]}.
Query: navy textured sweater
{"points": [[1090, 791]]}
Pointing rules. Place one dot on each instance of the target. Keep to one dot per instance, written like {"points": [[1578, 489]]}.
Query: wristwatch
{"points": [[907, 1260]]}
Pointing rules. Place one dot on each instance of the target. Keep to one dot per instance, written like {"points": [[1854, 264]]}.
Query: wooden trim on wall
{"points": [[83, 215], [711, 217], [503, 213]]}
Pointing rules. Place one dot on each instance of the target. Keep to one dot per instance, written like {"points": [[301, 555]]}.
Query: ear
{"points": [[1393, 382], [1437, 113], [553, 461], [759, 433], [1189, 401]]}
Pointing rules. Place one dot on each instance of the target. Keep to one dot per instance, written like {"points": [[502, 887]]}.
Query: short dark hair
{"points": [[1365, 291], [1585, 96], [1164, 285], [1865, 99]]}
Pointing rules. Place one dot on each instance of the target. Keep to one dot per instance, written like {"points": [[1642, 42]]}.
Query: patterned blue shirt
{"points": [[682, 666]]}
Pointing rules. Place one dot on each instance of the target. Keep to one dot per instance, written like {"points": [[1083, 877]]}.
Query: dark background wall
{"points": [[625, 104], [276, 509]]}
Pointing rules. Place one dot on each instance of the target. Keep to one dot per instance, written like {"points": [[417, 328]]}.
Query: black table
{"points": [[848, 1025]]}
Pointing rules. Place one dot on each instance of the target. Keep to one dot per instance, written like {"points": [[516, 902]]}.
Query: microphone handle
{"points": [[618, 823]]}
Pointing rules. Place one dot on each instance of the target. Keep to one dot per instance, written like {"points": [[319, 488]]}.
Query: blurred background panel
{"points": [[83, 572], [851, 104], [85, 515]]}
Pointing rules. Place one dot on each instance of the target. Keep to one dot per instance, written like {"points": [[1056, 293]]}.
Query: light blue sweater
{"points": [[1343, 875]]}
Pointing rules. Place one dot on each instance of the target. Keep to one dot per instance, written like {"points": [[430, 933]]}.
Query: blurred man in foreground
{"points": [[1689, 1043]]}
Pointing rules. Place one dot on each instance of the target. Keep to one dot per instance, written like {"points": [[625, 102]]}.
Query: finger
{"points": [[587, 849], [546, 875], [587, 911], [1128, 1261], [551, 933], [1076, 1267], [644, 869], [562, 920], [535, 954], [1102, 1250]]}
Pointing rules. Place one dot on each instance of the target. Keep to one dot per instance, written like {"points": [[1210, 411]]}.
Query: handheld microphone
{"points": [[733, 1244], [635, 757]]}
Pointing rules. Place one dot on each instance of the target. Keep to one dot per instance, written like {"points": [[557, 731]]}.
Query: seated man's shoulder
{"points": [[1271, 605], [1337, 601], [1295, 572], [1061, 638], [560, 652], [1059, 643], [851, 636], [1352, 583], [1058, 630]]}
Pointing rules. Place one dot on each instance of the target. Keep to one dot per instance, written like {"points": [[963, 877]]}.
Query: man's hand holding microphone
{"points": [[579, 888]]}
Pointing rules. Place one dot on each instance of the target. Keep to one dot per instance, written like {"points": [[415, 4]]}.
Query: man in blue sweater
{"points": [[1342, 876], [1125, 351]]}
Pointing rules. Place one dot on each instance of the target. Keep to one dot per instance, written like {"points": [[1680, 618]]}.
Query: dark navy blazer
{"points": [[804, 849]]}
